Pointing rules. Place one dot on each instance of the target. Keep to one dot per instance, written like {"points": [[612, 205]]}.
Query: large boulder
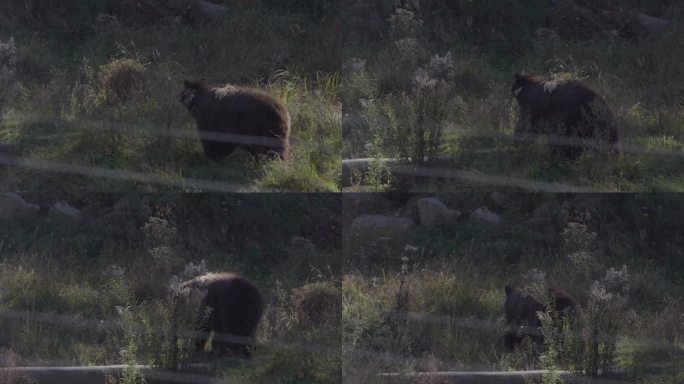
{"points": [[13, 207], [483, 214], [433, 212], [62, 208]]}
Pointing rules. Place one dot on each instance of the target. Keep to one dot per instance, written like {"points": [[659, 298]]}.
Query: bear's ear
{"points": [[187, 84], [520, 78], [508, 289]]}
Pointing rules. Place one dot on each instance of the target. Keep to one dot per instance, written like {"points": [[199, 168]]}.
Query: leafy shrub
{"points": [[160, 332], [316, 304], [82, 98], [121, 80], [9, 360], [35, 61], [604, 316]]}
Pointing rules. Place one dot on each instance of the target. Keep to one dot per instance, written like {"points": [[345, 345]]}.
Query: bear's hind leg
{"points": [[217, 150]]}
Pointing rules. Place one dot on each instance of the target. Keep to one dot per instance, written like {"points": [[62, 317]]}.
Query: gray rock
{"points": [[484, 214], [13, 207], [433, 212], [652, 23], [63, 208]]}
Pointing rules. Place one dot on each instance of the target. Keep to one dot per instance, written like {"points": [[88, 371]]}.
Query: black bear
{"points": [[235, 309], [572, 114], [230, 116], [521, 313]]}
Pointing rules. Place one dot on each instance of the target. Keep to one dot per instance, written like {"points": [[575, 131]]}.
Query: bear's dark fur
{"points": [[235, 307], [569, 111], [231, 116], [521, 313]]}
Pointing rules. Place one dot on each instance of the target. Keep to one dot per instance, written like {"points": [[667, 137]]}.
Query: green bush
{"points": [[160, 332], [316, 304], [121, 80]]}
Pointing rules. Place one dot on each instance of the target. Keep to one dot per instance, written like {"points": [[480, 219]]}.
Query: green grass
{"points": [[58, 273], [455, 282], [641, 84], [108, 101]]}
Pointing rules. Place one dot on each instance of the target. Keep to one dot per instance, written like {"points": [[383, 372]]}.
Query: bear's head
{"points": [[522, 81], [187, 95]]}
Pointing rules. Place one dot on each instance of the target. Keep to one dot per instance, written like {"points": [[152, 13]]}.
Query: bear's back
{"points": [[234, 294], [251, 102], [559, 98], [244, 110], [575, 94]]}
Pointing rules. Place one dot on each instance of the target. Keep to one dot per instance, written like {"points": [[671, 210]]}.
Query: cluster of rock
{"points": [[431, 211], [14, 207], [585, 19]]}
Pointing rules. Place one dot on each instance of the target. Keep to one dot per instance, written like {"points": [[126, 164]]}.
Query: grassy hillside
{"points": [[95, 83], [433, 80], [77, 291], [440, 304]]}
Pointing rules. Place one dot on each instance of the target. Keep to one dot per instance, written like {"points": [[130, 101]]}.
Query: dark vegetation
{"points": [[96, 85], [439, 304], [429, 83], [99, 289]]}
